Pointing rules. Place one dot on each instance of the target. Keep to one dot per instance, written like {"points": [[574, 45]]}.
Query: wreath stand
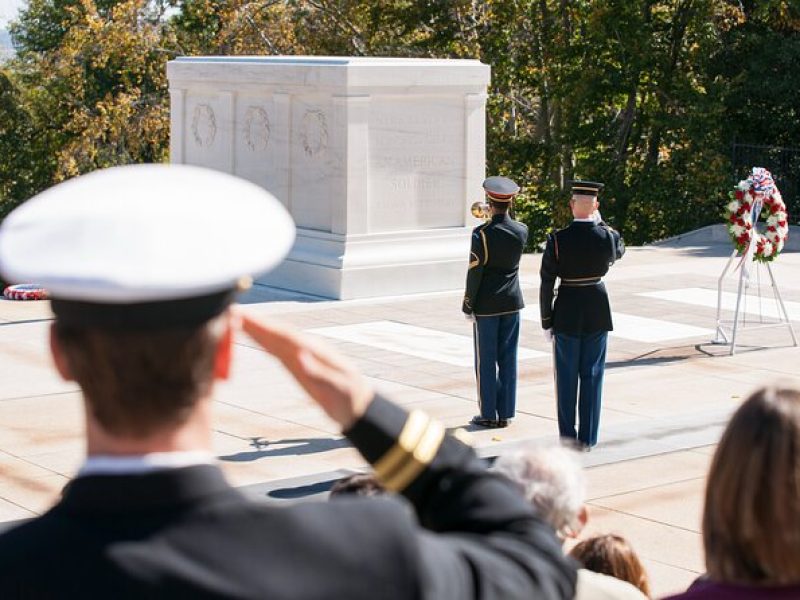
{"points": [[728, 328]]}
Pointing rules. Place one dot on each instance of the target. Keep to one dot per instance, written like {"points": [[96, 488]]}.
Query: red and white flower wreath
{"points": [[25, 291], [749, 198]]}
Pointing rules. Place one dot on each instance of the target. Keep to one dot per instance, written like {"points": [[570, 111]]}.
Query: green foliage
{"points": [[644, 95], [94, 84], [760, 100], [21, 168]]}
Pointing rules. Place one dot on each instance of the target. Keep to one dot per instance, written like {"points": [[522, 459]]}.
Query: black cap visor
{"points": [[142, 316]]}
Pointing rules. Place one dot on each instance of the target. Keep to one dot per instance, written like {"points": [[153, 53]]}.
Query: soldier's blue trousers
{"points": [[580, 357], [496, 341]]}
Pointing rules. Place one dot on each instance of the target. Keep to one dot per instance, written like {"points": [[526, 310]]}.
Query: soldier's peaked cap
{"points": [[585, 188], [144, 247], [500, 189]]}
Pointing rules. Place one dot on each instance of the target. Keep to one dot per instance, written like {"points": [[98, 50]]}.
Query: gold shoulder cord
{"points": [[415, 449]]}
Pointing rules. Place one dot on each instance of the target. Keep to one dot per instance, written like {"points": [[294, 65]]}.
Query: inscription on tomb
{"points": [[416, 157]]}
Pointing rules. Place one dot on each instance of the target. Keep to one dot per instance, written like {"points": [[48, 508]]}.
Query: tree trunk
{"points": [[680, 23]]}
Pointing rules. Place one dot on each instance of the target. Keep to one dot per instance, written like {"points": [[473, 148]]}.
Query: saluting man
{"points": [[144, 326], [579, 322], [493, 299]]}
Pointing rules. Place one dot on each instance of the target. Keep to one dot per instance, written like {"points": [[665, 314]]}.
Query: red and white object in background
{"points": [[751, 196], [25, 291]]}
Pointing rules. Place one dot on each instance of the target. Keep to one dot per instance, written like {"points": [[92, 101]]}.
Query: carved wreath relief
{"points": [[204, 125], [314, 133], [256, 128]]}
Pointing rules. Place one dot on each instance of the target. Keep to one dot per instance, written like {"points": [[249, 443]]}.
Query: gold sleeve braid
{"points": [[415, 449]]}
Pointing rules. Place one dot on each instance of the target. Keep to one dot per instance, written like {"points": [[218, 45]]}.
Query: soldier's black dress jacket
{"points": [[580, 255], [493, 276], [185, 533]]}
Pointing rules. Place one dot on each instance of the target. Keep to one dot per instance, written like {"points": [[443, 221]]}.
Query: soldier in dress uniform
{"points": [[580, 319], [142, 264], [493, 300]]}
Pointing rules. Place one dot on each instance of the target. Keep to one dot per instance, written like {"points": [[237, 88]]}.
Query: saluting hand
{"points": [[328, 377]]}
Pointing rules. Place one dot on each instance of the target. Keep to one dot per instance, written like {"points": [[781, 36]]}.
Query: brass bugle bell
{"points": [[480, 210]]}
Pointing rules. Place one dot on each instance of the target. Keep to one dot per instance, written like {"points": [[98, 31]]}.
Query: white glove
{"points": [[548, 335], [469, 317], [597, 217]]}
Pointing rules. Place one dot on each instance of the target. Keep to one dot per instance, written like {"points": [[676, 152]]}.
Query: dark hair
{"points": [[500, 207], [751, 520], [358, 484], [136, 383], [612, 555]]}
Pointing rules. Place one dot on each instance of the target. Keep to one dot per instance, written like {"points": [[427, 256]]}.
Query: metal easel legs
{"points": [[728, 337]]}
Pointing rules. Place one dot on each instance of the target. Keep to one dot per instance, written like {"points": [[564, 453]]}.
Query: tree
{"points": [[645, 95], [23, 170], [96, 80]]}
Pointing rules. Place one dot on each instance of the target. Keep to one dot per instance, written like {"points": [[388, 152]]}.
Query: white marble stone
{"points": [[766, 306], [646, 330], [421, 342], [377, 159], [640, 329]]}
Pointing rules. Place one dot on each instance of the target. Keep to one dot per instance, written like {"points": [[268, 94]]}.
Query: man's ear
{"points": [[60, 361], [224, 356]]}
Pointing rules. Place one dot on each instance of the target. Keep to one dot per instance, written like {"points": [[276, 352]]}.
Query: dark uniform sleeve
{"points": [[548, 273], [617, 242], [477, 260], [483, 540]]}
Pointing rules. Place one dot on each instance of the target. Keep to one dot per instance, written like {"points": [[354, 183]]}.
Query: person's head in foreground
{"points": [[358, 484], [751, 520], [612, 555], [142, 264], [552, 480]]}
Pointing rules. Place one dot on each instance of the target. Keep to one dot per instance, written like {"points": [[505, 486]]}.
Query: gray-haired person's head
{"points": [[552, 480]]}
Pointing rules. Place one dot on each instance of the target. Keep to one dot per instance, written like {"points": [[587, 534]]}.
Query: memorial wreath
{"points": [[25, 291], [750, 196]]}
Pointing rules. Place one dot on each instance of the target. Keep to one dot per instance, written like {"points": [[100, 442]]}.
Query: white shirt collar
{"points": [[104, 464], [589, 220]]}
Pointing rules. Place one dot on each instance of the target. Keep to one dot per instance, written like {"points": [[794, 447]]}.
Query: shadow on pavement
{"points": [[302, 491], [287, 447]]}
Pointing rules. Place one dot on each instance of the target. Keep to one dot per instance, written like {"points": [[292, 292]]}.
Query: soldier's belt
{"points": [[580, 282]]}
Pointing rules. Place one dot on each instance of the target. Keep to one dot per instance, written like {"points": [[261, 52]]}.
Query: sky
{"points": [[8, 10]]}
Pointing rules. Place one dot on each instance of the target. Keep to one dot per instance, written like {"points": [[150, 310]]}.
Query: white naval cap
{"points": [[144, 246]]}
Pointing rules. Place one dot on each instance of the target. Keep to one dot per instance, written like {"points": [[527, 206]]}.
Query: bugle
{"points": [[480, 210]]}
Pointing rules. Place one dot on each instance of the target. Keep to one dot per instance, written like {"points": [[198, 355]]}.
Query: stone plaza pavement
{"points": [[668, 393]]}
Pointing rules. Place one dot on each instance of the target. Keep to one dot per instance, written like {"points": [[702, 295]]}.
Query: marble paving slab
{"points": [[640, 329], [751, 304], [421, 342], [644, 329]]}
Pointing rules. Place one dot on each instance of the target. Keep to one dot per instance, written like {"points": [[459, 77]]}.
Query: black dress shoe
{"points": [[484, 422], [503, 422]]}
